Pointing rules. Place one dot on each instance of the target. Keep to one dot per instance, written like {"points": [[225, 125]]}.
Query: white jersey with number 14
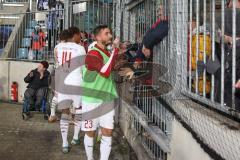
{"points": [[67, 53]]}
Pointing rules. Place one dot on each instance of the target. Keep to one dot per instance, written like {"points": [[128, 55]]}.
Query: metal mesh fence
{"points": [[148, 143], [96, 12], [33, 35], [189, 53], [198, 35]]}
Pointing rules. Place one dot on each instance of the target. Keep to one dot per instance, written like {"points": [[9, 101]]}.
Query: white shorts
{"points": [[66, 101], [102, 117]]}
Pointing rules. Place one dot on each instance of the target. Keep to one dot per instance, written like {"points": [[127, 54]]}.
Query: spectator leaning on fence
{"points": [[153, 36], [228, 40]]}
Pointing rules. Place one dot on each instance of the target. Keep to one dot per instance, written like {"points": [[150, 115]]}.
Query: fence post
{"points": [[66, 6], [30, 5], [1, 4]]}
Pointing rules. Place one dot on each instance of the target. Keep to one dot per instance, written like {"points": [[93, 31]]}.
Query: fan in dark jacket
{"points": [[153, 36], [37, 81], [228, 47], [156, 34]]}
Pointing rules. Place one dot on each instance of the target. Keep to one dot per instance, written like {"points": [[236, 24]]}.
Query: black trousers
{"points": [[36, 96], [52, 36]]}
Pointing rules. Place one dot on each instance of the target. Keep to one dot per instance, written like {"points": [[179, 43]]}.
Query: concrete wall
{"points": [[218, 132], [184, 146], [4, 70], [17, 72], [132, 137], [11, 71]]}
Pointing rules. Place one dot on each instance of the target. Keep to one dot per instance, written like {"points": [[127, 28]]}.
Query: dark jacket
{"points": [[228, 48], [228, 63], [132, 52], [155, 34], [229, 22], [35, 82]]}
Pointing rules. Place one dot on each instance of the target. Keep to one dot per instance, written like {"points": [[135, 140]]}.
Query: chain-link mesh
{"points": [[136, 20], [96, 12], [30, 36], [217, 134]]}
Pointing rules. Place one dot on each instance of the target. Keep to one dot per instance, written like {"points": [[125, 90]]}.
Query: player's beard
{"points": [[103, 43], [109, 42]]}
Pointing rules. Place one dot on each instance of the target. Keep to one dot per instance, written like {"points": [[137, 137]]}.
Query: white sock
{"points": [[105, 147], [64, 125], [53, 106], [77, 127], [88, 143]]}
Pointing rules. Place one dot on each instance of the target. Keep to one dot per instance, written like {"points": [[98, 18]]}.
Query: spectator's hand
{"points": [[126, 72], [237, 85], [228, 39], [146, 51]]}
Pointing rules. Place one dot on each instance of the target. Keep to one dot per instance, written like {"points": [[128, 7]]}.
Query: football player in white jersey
{"points": [[69, 56], [63, 39]]}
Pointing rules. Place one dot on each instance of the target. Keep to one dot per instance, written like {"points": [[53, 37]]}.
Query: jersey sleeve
{"points": [[94, 62], [108, 67]]}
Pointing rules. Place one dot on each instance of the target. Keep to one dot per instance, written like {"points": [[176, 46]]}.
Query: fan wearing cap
{"points": [[37, 81]]}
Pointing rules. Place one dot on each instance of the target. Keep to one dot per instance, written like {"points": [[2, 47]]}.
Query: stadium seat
{"points": [[26, 42], [28, 32], [22, 53], [33, 23]]}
